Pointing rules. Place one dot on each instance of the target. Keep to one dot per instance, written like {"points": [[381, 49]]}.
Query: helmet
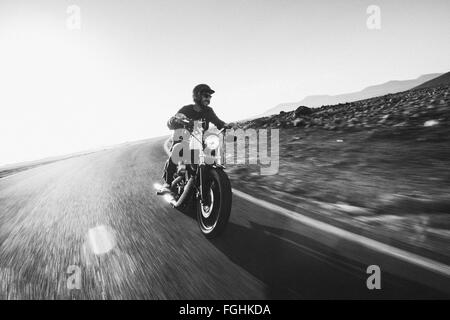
{"points": [[199, 90]]}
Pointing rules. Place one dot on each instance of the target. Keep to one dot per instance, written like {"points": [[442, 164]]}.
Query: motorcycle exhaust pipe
{"points": [[186, 193]]}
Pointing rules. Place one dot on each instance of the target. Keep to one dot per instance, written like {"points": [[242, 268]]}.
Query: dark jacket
{"points": [[196, 112]]}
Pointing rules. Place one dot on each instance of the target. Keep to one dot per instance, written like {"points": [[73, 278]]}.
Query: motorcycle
{"points": [[203, 183]]}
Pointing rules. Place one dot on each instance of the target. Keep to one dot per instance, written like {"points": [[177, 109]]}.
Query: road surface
{"points": [[91, 227]]}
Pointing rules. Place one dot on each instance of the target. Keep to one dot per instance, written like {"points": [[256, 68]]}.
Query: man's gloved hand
{"points": [[227, 126], [186, 124], [189, 125], [181, 121]]}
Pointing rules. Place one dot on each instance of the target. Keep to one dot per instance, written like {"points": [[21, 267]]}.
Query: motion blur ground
{"points": [[51, 216], [380, 166], [99, 213]]}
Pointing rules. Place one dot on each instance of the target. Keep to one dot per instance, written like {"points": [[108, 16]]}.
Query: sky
{"points": [[128, 66]]}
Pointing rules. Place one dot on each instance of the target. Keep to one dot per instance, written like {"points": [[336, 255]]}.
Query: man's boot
{"points": [[164, 189]]}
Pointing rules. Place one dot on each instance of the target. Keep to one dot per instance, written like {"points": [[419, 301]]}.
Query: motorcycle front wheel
{"points": [[213, 215]]}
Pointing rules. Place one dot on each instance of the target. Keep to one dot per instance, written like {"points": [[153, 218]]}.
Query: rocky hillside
{"points": [[420, 107], [389, 87], [442, 80]]}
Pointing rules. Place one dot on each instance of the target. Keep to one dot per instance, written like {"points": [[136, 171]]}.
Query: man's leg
{"points": [[169, 170]]}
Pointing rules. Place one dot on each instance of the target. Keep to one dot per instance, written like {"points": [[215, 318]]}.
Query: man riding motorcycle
{"points": [[185, 118]]}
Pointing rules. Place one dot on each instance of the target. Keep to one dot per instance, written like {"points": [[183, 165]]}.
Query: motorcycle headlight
{"points": [[212, 142]]}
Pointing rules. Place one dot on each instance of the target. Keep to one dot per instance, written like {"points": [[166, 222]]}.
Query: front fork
{"points": [[202, 173], [201, 182]]}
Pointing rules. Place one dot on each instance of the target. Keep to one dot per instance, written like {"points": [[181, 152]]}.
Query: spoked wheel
{"points": [[213, 214]]}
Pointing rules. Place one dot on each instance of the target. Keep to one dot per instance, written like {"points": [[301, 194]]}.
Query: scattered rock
{"points": [[303, 111], [298, 122], [430, 123]]}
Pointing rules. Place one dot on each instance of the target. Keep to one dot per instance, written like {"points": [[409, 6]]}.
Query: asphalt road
{"points": [[96, 218]]}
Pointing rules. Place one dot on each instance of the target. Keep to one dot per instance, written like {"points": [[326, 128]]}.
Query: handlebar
{"points": [[189, 121]]}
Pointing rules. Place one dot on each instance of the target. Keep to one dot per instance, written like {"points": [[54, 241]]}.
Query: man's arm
{"points": [[182, 114], [175, 123]]}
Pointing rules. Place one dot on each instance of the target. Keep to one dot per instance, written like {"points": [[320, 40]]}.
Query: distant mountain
{"points": [[439, 81], [369, 92]]}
